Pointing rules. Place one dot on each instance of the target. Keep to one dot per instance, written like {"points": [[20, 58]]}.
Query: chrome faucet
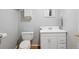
{"points": [[61, 23]]}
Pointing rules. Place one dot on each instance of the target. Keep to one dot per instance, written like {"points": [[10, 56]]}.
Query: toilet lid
{"points": [[25, 44]]}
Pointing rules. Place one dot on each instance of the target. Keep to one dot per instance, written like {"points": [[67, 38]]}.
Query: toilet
{"points": [[26, 43]]}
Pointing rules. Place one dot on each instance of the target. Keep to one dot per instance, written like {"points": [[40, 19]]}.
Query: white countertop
{"points": [[50, 29], [54, 30]]}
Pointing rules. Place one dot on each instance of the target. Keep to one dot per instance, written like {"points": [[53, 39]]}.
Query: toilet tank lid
{"points": [[27, 32]]}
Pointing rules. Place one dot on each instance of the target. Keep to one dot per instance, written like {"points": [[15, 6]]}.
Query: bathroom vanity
{"points": [[53, 39]]}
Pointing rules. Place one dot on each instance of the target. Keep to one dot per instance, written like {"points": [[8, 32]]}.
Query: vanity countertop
{"points": [[45, 29], [56, 30]]}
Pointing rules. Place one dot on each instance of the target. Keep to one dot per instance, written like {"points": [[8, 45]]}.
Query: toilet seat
{"points": [[25, 44]]}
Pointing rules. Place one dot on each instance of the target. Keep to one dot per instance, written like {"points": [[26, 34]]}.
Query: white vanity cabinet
{"points": [[53, 40]]}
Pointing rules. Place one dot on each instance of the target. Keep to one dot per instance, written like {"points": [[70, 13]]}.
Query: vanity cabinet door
{"points": [[52, 42], [44, 43], [48, 42]]}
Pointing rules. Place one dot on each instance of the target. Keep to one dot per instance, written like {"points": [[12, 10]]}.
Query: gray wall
{"points": [[70, 18], [38, 19], [9, 24], [78, 20]]}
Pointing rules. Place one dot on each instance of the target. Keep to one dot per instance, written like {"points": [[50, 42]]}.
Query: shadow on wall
{"points": [[18, 42], [0, 41], [27, 18]]}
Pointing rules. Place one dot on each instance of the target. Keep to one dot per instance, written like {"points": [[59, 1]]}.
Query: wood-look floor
{"points": [[33, 46]]}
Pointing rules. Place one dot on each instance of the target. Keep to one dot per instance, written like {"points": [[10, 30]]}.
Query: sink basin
{"points": [[51, 29]]}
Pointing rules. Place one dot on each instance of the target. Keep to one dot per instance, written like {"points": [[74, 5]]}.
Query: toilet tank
{"points": [[27, 35]]}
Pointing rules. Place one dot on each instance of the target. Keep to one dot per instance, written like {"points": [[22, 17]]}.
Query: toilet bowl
{"points": [[26, 43]]}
